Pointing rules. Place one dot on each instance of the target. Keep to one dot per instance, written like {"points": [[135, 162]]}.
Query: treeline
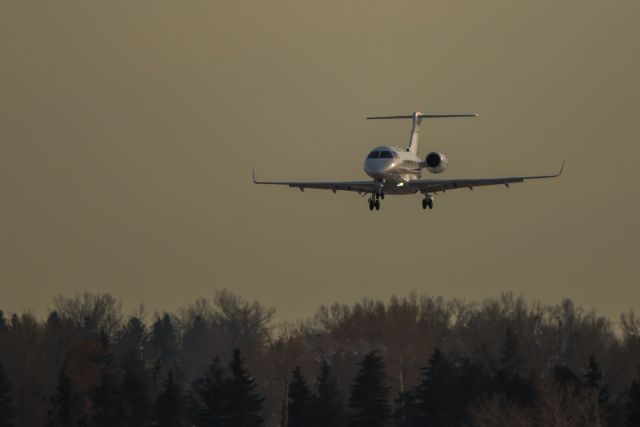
{"points": [[414, 361]]}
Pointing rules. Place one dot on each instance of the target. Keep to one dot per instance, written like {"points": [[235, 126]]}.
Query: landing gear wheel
{"points": [[371, 203], [377, 205], [427, 202]]}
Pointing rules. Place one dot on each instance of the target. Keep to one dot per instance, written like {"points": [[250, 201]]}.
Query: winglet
{"points": [[561, 169]]}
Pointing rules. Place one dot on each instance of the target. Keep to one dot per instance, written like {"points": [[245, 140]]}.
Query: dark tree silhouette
{"points": [[66, 406], [164, 340], [297, 408], [508, 377], [105, 395], [135, 389], [434, 397], [6, 400], [633, 403], [565, 377], [170, 406], [211, 389], [368, 400], [3, 321], [245, 405], [593, 379], [474, 382], [510, 354], [327, 406], [404, 414]]}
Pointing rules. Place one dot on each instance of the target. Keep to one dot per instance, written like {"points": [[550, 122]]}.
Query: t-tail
{"points": [[417, 118]]}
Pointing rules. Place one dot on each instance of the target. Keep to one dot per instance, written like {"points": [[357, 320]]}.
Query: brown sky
{"points": [[128, 131]]}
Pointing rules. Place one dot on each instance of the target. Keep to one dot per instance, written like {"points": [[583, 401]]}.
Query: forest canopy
{"points": [[408, 361]]}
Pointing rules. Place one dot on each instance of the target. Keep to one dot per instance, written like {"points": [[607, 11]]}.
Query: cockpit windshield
{"points": [[386, 155], [373, 155]]}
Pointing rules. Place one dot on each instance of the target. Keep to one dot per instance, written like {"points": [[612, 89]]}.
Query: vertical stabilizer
{"points": [[414, 138]]}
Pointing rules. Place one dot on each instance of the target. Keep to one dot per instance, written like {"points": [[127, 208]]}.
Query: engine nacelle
{"points": [[435, 162]]}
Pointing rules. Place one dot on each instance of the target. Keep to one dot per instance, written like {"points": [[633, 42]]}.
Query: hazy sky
{"points": [[128, 130]]}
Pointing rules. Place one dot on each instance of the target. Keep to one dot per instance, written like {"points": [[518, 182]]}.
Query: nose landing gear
{"points": [[427, 202]]}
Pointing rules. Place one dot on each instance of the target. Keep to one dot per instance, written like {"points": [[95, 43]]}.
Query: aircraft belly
{"points": [[396, 183]]}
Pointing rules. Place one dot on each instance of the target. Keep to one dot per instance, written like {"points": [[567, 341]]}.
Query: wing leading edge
{"points": [[357, 186], [421, 185], [441, 185]]}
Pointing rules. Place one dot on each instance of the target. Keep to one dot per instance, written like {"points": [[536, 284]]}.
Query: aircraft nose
{"points": [[376, 167]]}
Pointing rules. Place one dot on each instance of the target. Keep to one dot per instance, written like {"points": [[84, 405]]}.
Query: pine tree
{"points": [[368, 401], [434, 403], [170, 406], [66, 404], [6, 400], [135, 389], [327, 406], [105, 396], [297, 409], [508, 377], [164, 339], [593, 379], [510, 355], [404, 414], [3, 322], [633, 403], [211, 389], [245, 405], [565, 377]]}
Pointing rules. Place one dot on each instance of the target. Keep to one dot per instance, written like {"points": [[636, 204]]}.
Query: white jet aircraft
{"points": [[397, 171]]}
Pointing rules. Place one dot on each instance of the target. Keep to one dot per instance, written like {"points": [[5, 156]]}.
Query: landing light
{"points": [[400, 184]]}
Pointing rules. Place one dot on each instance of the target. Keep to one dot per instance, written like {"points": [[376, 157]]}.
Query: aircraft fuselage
{"points": [[393, 168]]}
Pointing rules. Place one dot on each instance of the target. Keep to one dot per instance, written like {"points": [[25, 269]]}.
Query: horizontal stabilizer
{"points": [[423, 116]]}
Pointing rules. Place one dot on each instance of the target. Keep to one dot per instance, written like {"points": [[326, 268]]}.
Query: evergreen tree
{"points": [[593, 379], [404, 414], [434, 403], [170, 406], [633, 403], [6, 400], [164, 339], [211, 389], [368, 401], [565, 377], [327, 406], [297, 409], [105, 396], [510, 355], [66, 404], [508, 377], [135, 389], [473, 383], [245, 405], [3, 322]]}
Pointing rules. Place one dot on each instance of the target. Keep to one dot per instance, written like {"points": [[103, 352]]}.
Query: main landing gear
{"points": [[427, 202], [374, 200]]}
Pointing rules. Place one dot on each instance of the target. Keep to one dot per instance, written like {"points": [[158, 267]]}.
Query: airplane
{"points": [[395, 171]]}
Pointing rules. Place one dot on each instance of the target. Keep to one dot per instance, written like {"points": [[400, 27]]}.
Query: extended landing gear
{"points": [[427, 202], [374, 201]]}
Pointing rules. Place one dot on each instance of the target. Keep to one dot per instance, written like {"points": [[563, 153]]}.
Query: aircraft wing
{"points": [[438, 185], [357, 186]]}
